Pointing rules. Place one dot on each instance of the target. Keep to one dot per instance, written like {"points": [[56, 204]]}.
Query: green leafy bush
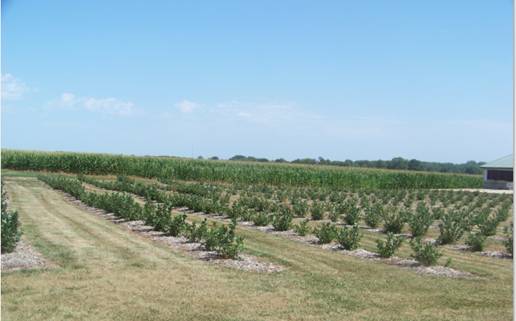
{"points": [[475, 241], [260, 218], [281, 221], [486, 221], [121, 204], [157, 216], [300, 208], [393, 220], [302, 227], [420, 221], [503, 213], [326, 233], [229, 245], [452, 226], [509, 241], [196, 232], [437, 213], [334, 214], [223, 240], [176, 225], [388, 247], [373, 215], [351, 212], [317, 212], [10, 226], [425, 253], [68, 185], [211, 239], [488, 226], [349, 237]]}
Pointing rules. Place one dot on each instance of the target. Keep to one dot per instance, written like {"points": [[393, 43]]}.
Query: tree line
{"points": [[470, 167]]}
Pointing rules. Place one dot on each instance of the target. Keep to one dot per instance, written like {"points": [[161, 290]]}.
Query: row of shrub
{"points": [[217, 237], [348, 237], [453, 223], [281, 220]]}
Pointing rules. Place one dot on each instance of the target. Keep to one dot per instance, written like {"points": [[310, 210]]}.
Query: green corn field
{"points": [[246, 173]]}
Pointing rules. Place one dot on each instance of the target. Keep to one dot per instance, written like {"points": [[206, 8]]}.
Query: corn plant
{"points": [[232, 172]]}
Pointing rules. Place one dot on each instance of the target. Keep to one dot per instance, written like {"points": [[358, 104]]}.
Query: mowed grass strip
{"points": [[113, 274]]}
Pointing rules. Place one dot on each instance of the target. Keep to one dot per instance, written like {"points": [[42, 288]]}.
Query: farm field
{"points": [[313, 246], [233, 172]]}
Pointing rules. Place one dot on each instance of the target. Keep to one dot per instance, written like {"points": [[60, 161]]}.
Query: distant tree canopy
{"points": [[248, 158], [470, 167]]}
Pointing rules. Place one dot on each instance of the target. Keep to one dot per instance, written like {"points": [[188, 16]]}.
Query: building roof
{"points": [[504, 162]]}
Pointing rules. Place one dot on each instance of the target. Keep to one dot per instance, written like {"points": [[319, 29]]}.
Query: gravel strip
{"points": [[496, 254], [497, 238], [24, 256]]}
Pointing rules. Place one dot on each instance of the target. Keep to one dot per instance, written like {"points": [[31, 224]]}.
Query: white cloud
{"points": [[67, 99], [12, 88], [186, 106], [268, 113], [110, 105]]}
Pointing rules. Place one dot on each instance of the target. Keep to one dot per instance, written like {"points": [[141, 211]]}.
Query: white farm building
{"points": [[498, 173]]}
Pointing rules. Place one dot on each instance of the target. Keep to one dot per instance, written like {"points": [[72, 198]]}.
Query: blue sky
{"points": [[430, 80]]}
